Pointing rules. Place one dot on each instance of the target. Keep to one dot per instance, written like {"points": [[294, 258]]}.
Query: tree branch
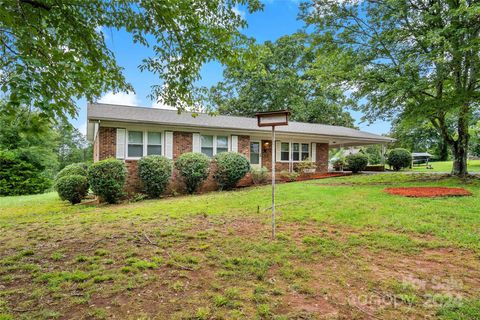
{"points": [[36, 4]]}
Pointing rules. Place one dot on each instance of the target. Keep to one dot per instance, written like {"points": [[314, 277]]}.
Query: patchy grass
{"points": [[345, 250]]}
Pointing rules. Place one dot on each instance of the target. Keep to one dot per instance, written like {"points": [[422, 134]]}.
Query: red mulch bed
{"points": [[428, 192]]}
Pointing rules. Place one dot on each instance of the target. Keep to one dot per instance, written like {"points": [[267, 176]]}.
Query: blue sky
{"points": [[278, 18]]}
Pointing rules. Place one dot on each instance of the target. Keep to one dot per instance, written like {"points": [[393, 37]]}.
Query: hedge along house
{"points": [[128, 133]]}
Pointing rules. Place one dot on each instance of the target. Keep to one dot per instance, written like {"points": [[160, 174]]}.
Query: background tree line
{"points": [[33, 149], [415, 63]]}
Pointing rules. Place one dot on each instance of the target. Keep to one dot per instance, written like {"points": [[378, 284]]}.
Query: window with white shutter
{"points": [[234, 140], [120, 147], [169, 144]]}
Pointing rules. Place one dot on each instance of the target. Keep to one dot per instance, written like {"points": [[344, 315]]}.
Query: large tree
{"points": [[53, 51], [273, 76], [416, 59], [72, 145], [419, 136], [29, 137]]}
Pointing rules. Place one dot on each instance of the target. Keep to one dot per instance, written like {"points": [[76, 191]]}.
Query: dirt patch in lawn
{"points": [[428, 192], [224, 266], [299, 306]]}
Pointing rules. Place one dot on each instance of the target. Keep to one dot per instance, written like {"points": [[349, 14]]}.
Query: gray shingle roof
{"points": [[99, 111]]}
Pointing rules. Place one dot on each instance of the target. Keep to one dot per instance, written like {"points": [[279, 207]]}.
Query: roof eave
{"points": [[372, 140]]}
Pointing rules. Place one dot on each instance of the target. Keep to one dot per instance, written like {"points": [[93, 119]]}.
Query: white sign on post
{"points": [[273, 119]]}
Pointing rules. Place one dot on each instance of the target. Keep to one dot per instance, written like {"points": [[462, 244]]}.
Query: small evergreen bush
{"points": [[231, 167], [72, 188], [399, 158], [259, 176], [357, 162], [107, 178], [73, 169], [154, 172], [193, 168]]}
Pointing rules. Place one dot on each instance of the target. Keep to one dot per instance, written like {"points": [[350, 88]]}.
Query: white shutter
{"points": [[313, 153], [169, 144], [234, 141], [278, 150], [196, 142], [121, 136]]}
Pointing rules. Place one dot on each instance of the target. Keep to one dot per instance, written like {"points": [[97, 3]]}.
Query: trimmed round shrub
{"points": [[193, 167], [107, 178], [231, 167], [154, 172], [357, 162], [18, 177], [72, 188], [399, 158], [73, 169]]}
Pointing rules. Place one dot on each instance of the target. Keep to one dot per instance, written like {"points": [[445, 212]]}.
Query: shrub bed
{"points": [[259, 176], [107, 178], [289, 176], [154, 172], [73, 169], [399, 158], [357, 162], [193, 168], [231, 167], [72, 188]]}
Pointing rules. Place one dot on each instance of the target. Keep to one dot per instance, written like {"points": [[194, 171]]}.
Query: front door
{"points": [[255, 154]]}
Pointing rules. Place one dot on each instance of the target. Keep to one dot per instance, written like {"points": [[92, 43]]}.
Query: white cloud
{"points": [[161, 105], [122, 98]]}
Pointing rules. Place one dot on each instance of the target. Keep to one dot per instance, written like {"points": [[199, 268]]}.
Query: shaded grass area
{"points": [[345, 250]]}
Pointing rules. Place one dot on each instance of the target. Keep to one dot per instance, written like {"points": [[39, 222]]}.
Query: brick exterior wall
{"points": [[322, 157], [133, 183], [244, 146], [107, 142], [267, 158], [182, 142], [105, 147]]}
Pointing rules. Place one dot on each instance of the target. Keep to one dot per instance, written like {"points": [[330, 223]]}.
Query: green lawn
{"points": [[345, 250], [446, 166]]}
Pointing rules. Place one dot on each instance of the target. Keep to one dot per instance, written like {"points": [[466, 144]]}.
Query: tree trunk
{"points": [[443, 151], [460, 147], [460, 152]]}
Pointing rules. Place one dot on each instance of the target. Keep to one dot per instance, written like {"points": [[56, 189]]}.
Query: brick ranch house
{"points": [[128, 133]]}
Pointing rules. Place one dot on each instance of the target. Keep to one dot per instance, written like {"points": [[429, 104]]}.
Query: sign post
{"points": [[273, 119]]}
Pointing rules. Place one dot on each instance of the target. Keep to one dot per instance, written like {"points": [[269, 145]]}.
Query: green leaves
{"points": [[414, 60], [55, 52], [279, 75]]}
